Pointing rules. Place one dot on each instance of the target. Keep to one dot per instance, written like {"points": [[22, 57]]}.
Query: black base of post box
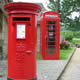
{"points": [[22, 79]]}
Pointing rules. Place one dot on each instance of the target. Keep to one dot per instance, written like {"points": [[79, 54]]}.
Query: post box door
{"points": [[24, 47]]}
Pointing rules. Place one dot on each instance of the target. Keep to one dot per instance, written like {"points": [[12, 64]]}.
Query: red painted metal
{"points": [[49, 35], [22, 52]]}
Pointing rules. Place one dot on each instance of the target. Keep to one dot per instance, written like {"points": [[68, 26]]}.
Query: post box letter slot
{"points": [[21, 19]]}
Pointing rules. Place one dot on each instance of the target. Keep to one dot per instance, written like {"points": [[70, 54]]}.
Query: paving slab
{"points": [[50, 69], [46, 69]]}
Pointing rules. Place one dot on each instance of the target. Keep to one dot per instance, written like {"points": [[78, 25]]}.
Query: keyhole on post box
{"points": [[29, 51]]}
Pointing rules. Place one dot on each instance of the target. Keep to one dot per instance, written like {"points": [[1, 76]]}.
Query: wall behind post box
{"points": [[38, 26], [5, 37], [3, 29]]}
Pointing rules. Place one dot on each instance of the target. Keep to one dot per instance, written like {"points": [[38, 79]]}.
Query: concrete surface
{"points": [[72, 71], [46, 70]]}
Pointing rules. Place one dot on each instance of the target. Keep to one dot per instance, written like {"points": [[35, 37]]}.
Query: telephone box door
{"points": [[51, 39], [49, 34]]}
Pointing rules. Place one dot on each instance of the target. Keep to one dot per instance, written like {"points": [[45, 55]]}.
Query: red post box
{"points": [[22, 31], [49, 35]]}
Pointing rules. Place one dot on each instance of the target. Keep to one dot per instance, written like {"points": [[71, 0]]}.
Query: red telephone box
{"points": [[22, 31], [49, 35]]}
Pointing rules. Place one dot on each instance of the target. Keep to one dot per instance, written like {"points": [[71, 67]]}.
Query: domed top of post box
{"points": [[22, 7]]}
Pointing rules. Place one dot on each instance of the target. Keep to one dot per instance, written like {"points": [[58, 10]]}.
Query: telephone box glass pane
{"points": [[51, 39], [20, 31], [51, 52]]}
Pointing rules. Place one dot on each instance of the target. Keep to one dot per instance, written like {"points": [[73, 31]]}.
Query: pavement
{"points": [[72, 72], [50, 69], [46, 69]]}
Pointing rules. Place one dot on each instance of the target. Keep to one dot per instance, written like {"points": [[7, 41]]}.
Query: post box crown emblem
{"points": [[22, 6]]}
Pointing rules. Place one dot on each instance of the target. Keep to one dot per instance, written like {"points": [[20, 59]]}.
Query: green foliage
{"points": [[66, 8], [64, 54], [76, 42], [77, 34], [68, 34], [74, 23], [38, 56], [61, 46], [64, 45]]}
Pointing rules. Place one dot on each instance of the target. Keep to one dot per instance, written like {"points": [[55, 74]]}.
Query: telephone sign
{"points": [[51, 15]]}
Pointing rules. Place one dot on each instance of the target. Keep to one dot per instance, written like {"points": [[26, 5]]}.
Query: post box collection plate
{"points": [[21, 31]]}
